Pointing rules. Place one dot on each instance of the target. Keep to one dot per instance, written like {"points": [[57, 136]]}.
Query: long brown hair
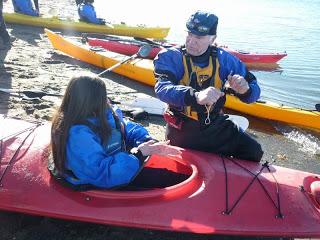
{"points": [[84, 97]]}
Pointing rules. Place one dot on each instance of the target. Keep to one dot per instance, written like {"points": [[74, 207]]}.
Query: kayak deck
{"points": [[75, 25], [247, 204]]}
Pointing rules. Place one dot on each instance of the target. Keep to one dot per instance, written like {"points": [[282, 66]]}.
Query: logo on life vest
{"points": [[203, 78]]}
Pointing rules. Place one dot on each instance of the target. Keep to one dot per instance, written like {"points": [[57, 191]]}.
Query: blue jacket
{"points": [[169, 70], [25, 7], [87, 13], [91, 164]]}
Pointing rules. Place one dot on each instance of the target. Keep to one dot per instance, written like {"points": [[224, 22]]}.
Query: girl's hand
{"points": [[158, 148]]}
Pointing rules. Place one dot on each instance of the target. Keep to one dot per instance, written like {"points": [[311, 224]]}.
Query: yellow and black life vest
{"points": [[200, 78]]}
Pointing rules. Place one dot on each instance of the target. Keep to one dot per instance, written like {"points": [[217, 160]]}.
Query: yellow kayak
{"points": [[69, 24], [141, 70]]}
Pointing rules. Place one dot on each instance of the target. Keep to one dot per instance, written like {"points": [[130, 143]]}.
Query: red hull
{"points": [[249, 57], [122, 47], [196, 205], [130, 48]]}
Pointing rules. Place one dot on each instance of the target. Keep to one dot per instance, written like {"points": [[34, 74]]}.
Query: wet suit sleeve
{"points": [[135, 134], [169, 70], [231, 64]]}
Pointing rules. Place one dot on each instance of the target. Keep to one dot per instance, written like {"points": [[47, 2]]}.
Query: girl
{"points": [[92, 145]]}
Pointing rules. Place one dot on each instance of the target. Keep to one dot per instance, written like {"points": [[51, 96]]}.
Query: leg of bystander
{"points": [[5, 40]]}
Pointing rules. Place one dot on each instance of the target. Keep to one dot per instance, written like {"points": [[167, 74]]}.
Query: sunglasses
{"points": [[199, 28]]}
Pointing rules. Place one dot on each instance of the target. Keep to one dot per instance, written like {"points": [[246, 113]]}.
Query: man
{"points": [[26, 7], [5, 41], [193, 80]]}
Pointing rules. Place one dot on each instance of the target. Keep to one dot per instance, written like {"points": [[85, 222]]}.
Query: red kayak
{"points": [[221, 196], [252, 57], [130, 47]]}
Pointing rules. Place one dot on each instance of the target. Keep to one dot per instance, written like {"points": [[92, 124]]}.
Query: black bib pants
{"points": [[221, 136]]}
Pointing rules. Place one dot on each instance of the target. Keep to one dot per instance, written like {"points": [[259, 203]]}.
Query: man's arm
{"points": [[234, 73], [169, 69]]}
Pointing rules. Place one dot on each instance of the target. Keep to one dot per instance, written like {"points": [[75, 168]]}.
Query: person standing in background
{"points": [[87, 12], [26, 7], [5, 42]]}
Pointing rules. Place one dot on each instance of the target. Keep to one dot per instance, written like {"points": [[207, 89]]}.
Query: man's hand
{"points": [[208, 96], [238, 83]]}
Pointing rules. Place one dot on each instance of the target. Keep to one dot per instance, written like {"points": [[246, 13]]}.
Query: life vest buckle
{"points": [[172, 120]]}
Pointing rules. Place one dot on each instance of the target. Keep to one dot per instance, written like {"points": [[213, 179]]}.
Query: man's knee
{"points": [[257, 153], [249, 148]]}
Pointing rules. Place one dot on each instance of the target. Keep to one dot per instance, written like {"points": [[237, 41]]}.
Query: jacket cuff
{"points": [[138, 154], [246, 94], [190, 98]]}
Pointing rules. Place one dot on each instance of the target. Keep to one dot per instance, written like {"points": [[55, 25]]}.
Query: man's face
{"points": [[197, 45]]}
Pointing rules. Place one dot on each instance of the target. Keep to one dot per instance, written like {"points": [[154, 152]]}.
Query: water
{"points": [[252, 25]]}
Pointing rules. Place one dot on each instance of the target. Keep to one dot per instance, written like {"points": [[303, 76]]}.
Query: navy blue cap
{"points": [[202, 23]]}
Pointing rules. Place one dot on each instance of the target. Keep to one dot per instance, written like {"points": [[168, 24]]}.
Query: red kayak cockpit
{"points": [[311, 185], [178, 190]]}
